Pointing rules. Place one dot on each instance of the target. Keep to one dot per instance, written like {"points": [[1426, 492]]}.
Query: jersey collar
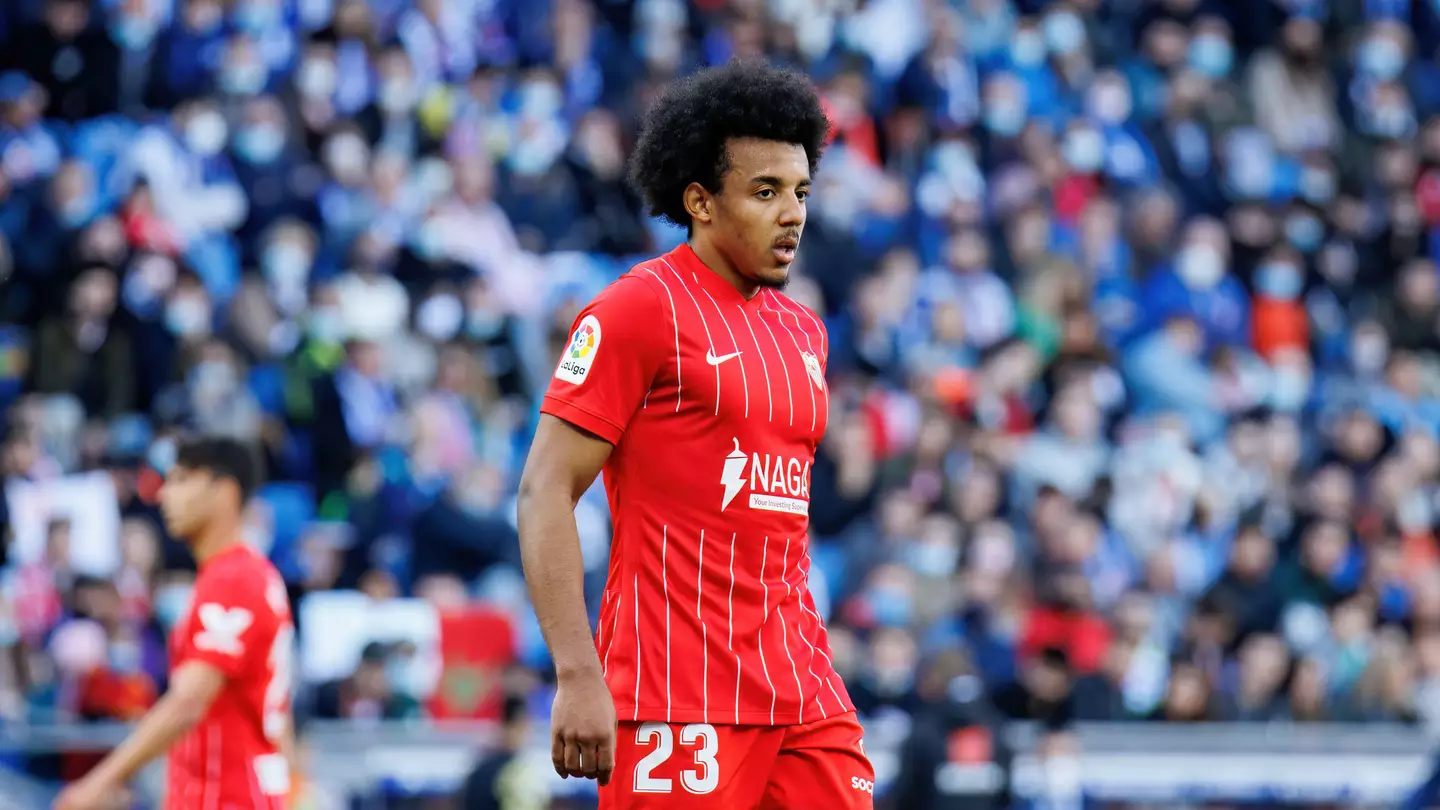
{"points": [[687, 263]]}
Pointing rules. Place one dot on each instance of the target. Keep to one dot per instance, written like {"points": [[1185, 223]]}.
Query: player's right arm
{"points": [[602, 378], [564, 461]]}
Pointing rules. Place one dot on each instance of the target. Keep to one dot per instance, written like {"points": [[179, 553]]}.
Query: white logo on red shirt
{"points": [[715, 361], [733, 476], [812, 365], [221, 628], [580, 352], [777, 483]]}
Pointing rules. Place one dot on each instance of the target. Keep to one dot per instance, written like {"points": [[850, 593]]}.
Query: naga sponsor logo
{"points": [[860, 783], [776, 483]]}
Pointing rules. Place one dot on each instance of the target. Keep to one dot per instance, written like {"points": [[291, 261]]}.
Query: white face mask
{"points": [[162, 455], [440, 317], [188, 316], [396, 96], [541, 99], [1200, 267], [1110, 103], [346, 155], [1084, 150], [1064, 32], [934, 559], [1369, 352], [1027, 49], [1414, 513], [214, 378], [171, 602], [205, 133], [316, 78], [285, 263], [1289, 389]]}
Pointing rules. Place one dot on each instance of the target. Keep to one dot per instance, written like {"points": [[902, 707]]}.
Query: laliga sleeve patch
{"points": [[580, 352]]}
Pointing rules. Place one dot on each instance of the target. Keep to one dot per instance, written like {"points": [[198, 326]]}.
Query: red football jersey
{"points": [[715, 405], [239, 621]]}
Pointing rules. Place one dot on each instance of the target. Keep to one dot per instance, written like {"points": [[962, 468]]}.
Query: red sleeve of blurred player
{"points": [[611, 359], [232, 621]]}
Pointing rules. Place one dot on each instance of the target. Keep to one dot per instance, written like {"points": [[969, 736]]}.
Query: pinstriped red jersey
{"points": [[715, 405], [238, 622]]}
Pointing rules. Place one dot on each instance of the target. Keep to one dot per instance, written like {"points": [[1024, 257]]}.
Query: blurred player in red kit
{"points": [[699, 390], [225, 720]]}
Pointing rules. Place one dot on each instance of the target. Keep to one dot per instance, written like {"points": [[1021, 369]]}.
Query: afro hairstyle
{"points": [[684, 135]]}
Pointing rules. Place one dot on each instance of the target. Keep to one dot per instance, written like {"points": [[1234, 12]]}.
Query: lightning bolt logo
{"points": [[733, 477]]}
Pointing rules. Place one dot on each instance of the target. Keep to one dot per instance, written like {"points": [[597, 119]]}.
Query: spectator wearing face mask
{"points": [[1129, 158], [193, 184], [1280, 320], [1200, 285], [267, 168], [389, 122]]}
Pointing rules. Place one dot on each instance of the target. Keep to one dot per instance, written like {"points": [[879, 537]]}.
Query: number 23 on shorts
{"points": [[660, 766], [703, 778]]}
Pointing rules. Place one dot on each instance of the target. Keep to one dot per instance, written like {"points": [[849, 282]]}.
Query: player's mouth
{"points": [[784, 249]]}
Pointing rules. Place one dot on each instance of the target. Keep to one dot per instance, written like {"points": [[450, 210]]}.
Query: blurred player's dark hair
{"points": [[222, 458], [683, 137]]}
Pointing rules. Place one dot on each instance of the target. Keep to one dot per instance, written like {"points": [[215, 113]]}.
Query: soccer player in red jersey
{"points": [[698, 389], [225, 719]]}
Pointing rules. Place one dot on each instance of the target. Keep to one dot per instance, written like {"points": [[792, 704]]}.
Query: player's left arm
{"points": [[193, 688]]}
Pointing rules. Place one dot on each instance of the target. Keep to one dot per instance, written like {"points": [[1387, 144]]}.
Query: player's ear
{"points": [[229, 490], [699, 203]]}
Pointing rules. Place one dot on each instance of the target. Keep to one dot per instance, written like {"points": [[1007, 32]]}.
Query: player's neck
{"points": [[716, 263], [213, 540]]}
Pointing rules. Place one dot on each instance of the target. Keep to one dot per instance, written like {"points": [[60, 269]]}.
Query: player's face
{"points": [[760, 212], [186, 500]]}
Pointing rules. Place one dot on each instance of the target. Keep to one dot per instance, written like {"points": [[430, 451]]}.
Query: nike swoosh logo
{"points": [[715, 361]]}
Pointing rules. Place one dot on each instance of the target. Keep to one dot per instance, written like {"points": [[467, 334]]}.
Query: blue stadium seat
{"points": [[293, 504], [267, 383]]}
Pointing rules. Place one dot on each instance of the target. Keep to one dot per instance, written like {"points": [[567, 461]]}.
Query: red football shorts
{"points": [[697, 766]]}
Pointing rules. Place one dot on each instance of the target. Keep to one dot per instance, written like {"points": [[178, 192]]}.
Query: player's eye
{"points": [[765, 193], [803, 194]]}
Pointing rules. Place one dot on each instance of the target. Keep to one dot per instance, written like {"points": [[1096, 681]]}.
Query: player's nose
{"points": [[792, 213]]}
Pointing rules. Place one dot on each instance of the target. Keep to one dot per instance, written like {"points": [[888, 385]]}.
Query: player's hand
{"points": [[582, 729], [88, 794]]}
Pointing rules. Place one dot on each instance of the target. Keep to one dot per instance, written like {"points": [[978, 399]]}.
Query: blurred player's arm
{"points": [[193, 687], [564, 461]]}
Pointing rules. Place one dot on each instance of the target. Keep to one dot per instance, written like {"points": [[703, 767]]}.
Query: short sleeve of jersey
{"points": [[231, 623], [611, 359]]}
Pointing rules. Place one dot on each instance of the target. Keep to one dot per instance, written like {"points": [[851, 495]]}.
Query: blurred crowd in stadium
{"points": [[1135, 308]]}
